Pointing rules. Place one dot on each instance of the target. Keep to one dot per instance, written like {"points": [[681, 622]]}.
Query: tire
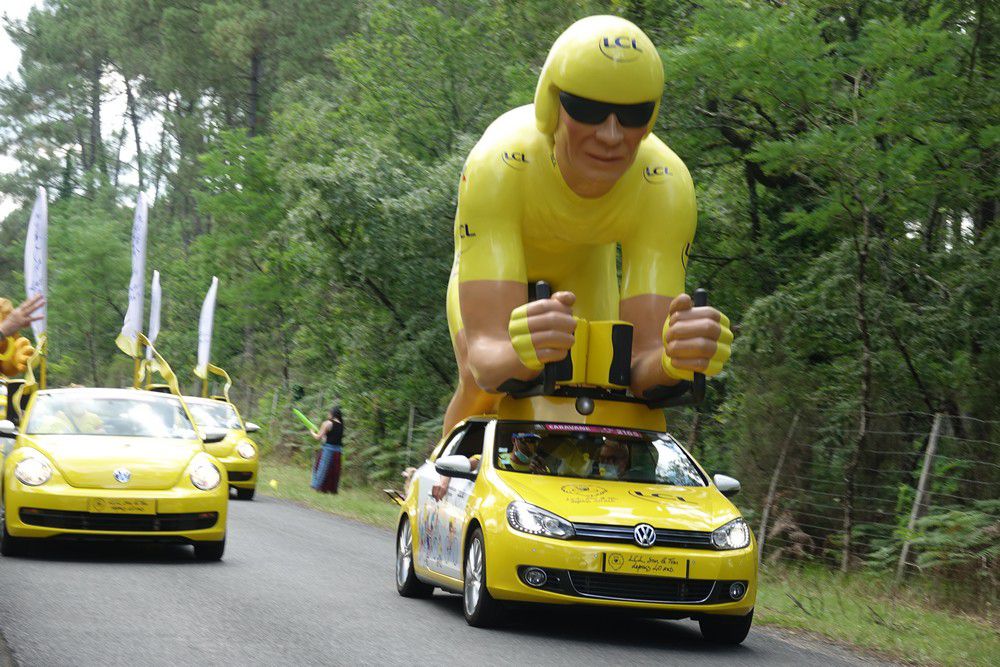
{"points": [[407, 583], [245, 494], [726, 629], [209, 551], [481, 610], [10, 545]]}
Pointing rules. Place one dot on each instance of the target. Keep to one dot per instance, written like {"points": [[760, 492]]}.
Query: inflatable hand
{"points": [[542, 331], [14, 355], [694, 340]]}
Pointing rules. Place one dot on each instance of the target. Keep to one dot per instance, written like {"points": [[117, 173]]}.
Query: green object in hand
{"points": [[304, 420]]}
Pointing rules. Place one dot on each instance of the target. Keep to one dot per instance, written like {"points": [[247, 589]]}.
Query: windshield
{"points": [[152, 416], [593, 452], [214, 415]]}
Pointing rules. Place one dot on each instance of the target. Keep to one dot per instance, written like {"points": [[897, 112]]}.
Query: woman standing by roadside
{"points": [[326, 474]]}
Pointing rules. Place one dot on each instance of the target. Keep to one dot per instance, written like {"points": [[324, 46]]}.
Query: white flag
{"points": [[205, 330], [127, 339], [154, 314], [36, 250]]}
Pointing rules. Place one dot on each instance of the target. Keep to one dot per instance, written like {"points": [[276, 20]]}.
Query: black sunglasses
{"points": [[592, 112]]}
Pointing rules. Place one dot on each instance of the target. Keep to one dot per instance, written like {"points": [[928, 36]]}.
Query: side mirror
{"points": [[250, 427], [455, 466], [728, 486], [209, 436], [7, 429]]}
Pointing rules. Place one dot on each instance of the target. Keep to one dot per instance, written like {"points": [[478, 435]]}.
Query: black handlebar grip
{"points": [[698, 384], [544, 291]]}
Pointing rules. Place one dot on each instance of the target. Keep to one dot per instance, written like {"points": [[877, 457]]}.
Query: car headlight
{"points": [[528, 518], [33, 471], [733, 535], [205, 476], [246, 450]]}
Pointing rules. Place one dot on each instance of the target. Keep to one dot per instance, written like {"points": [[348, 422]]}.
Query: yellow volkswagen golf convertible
{"points": [[111, 463], [237, 452], [547, 504]]}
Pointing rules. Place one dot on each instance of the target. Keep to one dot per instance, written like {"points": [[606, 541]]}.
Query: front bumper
{"points": [[59, 510], [242, 472], [578, 573]]}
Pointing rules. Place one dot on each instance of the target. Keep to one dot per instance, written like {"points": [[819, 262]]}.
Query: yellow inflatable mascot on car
{"points": [[550, 192]]}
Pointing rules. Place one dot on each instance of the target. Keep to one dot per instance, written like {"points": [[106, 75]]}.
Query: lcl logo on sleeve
{"points": [[621, 49], [515, 159]]}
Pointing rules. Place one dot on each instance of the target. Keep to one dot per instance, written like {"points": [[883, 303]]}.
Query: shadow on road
{"points": [[110, 552], [599, 626]]}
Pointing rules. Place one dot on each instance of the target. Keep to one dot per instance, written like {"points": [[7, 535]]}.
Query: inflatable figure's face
{"points": [[597, 155]]}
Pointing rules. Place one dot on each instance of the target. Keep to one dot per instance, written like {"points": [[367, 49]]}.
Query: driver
{"points": [[550, 191]]}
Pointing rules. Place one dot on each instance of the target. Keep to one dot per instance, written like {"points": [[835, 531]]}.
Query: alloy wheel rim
{"points": [[403, 554], [473, 577]]}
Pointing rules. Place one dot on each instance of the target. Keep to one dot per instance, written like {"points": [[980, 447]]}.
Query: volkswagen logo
{"points": [[645, 535], [123, 475]]}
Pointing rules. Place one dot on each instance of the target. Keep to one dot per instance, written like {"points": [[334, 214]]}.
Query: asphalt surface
{"points": [[300, 587]]}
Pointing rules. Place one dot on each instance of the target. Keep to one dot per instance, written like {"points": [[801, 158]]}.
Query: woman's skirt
{"points": [[326, 469]]}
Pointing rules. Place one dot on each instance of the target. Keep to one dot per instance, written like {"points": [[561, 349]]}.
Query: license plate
{"points": [[651, 565], [122, 505]]}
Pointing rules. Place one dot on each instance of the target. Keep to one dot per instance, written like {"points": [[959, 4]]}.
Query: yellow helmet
{"points": [[603, 58]]}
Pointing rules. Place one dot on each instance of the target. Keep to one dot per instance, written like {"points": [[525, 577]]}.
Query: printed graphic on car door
{"points": [[441, 523]]}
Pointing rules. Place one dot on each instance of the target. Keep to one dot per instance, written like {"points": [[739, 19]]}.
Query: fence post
{"points": [[918, 499], [762, 533], [409, 437]]}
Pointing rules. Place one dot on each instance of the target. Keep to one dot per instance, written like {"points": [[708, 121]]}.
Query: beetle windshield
{"points": [[214, 414], [125, 413], [593, 452]]}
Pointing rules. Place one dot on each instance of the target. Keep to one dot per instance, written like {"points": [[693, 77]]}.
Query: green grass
{"points": [[291, 482], [861, 610]]}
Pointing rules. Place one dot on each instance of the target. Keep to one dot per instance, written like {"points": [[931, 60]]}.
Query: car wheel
{"points": [[10, 545], [245, 494], [726, 629], [406, 579], [481, 610], [209, 551]]}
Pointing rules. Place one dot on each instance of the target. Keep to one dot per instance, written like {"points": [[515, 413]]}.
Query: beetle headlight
{"points": [[33, 471], [528, 518], [733, 535], [205, 476], [246, 450]]}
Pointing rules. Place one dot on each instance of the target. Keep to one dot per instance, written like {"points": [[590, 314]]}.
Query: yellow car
{"points": [[557, 502], [237, 452], [111, 463]]}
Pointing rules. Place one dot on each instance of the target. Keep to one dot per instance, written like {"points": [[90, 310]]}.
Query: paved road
{"points": [[299, 587]]}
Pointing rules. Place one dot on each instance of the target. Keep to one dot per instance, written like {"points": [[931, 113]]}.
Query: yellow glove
{"points": [[14, 355], [694, 340]]}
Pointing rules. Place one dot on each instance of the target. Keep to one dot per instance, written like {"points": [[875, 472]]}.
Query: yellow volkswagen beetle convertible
{"points": [[561, 502], [237, 452], [111, 463]]}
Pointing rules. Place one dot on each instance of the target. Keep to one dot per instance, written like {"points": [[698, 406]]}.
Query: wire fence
{"points": [[918, 494]]}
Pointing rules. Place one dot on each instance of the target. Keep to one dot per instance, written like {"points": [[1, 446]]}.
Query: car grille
{"points": [[639, 588], [682, 539], [240, 476], [150, 523]]}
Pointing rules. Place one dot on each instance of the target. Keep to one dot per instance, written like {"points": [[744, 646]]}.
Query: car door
{"points": [[453, 507], [430, 548]]}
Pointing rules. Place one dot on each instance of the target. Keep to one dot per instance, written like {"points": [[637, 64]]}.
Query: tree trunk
{"points": [[862, 247], [96, 143], [253, 107], [134, 117]]}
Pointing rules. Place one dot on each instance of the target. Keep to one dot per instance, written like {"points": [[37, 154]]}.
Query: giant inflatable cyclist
{"points": [[550, 192]]}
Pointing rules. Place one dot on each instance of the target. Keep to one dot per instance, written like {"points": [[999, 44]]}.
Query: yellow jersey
{"points": [[518, 220]]}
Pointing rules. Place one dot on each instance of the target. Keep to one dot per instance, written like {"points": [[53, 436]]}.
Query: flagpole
{"points": [[42, 372]]}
